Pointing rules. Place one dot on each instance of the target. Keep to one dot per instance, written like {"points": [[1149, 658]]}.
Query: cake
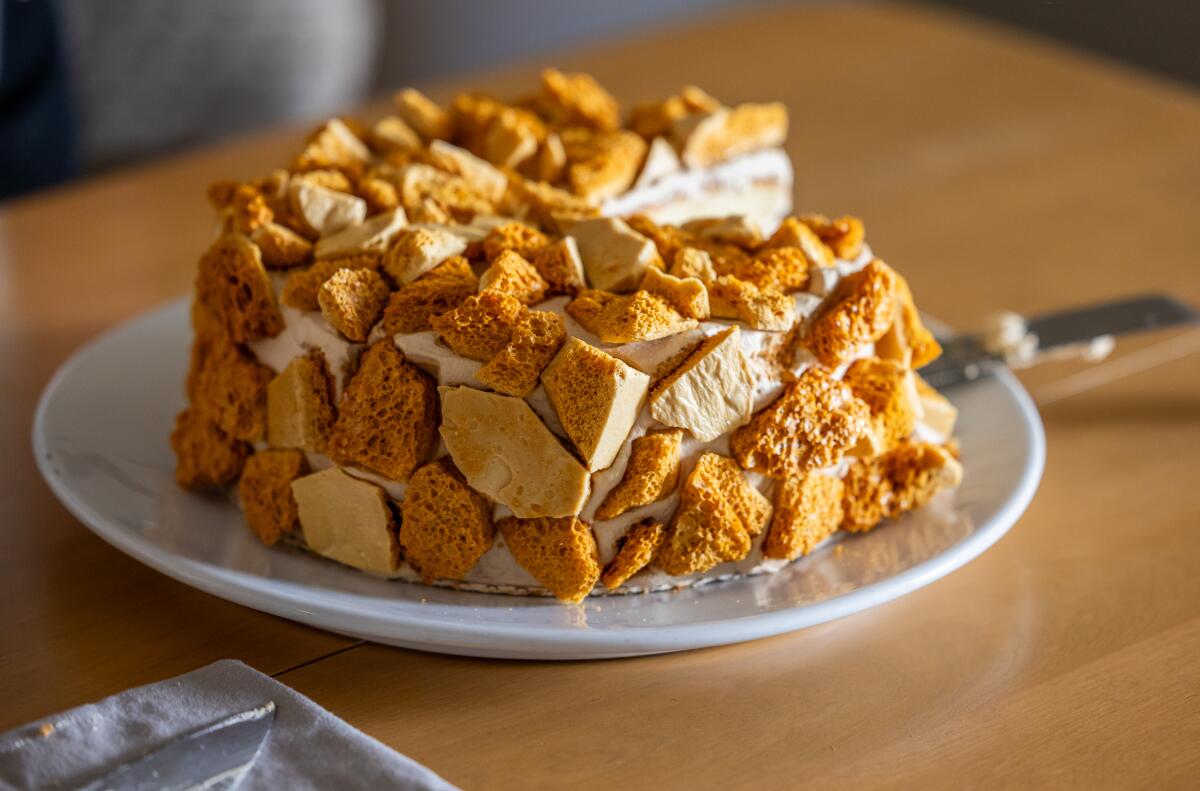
{"points": [[538, 347]]}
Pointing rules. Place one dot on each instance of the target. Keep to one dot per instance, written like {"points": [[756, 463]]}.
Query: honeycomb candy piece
{"points": [[706, 139], [614, 255], [782, 269], [735, 229], [718, 516], [280, 246], [233, 285], [372, 236], [711, 392], [560, 264], [510, 139], [890, 391], [844, 236], [812, 425], [667, 239], [760, 309], [693, 262], [265, 489], [651, 475], [206, 457], [302, 286], [900, 480], [859, 311], [601, 165], [481, 326], [908, 340], [560, 553], [428, 212], [322, 210], [388, 415], [616, 318], [793, 232], [416, 250], [635, 550], [348, 520], [551, 159], [687, 295], [300, 410], [483, 176], [334, 145], [597, 399], [392, 133], [352, 300], [658, 358], [577, 99], [511, 274], [453, 194], [550, 206], [247, 209], [227, 385], [422, 114], [937, 413], [515, 236], [660, 161], [515, 369], [445, 526], [438, 291], [505, 452], [656, 119], [808, 510]]}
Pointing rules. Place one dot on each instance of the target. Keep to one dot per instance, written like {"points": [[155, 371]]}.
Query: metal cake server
{"points": [[968, 356], [214, 757]]}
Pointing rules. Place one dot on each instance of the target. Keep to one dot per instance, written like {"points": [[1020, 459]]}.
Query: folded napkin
{"points": [[307, 748]]}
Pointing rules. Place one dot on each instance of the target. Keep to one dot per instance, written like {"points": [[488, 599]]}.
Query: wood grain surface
{"points": [[993, 170]]}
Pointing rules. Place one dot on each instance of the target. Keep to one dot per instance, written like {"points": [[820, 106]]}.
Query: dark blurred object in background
{"points": [[37, 140]]}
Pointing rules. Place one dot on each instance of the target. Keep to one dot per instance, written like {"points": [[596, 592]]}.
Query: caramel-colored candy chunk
{"points": [[635, 550], [446, 526], [348, 520], [265, 489], [808, 510], [651, 474], [560, 553], [896, 482]]}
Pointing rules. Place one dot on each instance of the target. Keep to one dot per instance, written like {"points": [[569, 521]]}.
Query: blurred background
{"points": [[87, 85]]}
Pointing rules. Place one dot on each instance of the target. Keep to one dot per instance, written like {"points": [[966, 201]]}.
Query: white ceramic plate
{"points": [[100, 437]]}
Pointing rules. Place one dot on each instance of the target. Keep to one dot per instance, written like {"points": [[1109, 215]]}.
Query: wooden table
{"points": [[995, 171]]}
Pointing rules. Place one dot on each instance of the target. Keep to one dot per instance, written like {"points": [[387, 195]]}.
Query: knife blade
{"points": [[967, 356], [214, 757]]}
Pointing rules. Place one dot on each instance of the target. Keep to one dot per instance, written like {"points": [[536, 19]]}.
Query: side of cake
{"points": [[500, 346]]}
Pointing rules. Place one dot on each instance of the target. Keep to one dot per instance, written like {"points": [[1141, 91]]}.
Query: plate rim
{"points": [[404, 627]]}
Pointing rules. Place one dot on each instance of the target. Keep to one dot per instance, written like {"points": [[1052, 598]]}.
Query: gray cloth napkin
{"points": [[307, 748]]}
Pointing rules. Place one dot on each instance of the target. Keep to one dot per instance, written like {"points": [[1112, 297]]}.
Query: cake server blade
{"points": [[966, 357], [213, 758]]}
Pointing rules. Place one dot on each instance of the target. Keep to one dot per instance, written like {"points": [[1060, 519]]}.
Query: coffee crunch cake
{"points": [[540, 347]]}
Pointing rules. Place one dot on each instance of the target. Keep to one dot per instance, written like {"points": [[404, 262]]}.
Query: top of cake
{"points": [[428, 349]]}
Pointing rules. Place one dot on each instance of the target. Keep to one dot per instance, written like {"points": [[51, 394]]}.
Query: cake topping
{"points": [[422, 114], [614, 318], [438, 291], [551, 158], [227, 384], [515, 236], [652, 474], [937, 413], [635, 550], [373, 235], [736, 230], [706, 139], [687, 295], [515, 369], [454, 195], [661, 161], [511, 274], [859, 311], [812, 425], [890, 391], [760, 309], [484, 177], [780, 269], [907, 340], [333, 146], [507, 453], [233, 285], [577, 99], [417, 250], [352, 300], [719, 514], [693, 262], [808, 510], [601, 165], [597, 399], [898, 481], [206, 457], [711, 392], [614, 255], [659, 357], [844, 236], [300, 410], [392, 133], [302, 286], [446, 526], [481, 325], [323, 211], [265, 490], [281, 247], [792, 232], [387, 417], [561, 266], [347, 520], [560, 553]]}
